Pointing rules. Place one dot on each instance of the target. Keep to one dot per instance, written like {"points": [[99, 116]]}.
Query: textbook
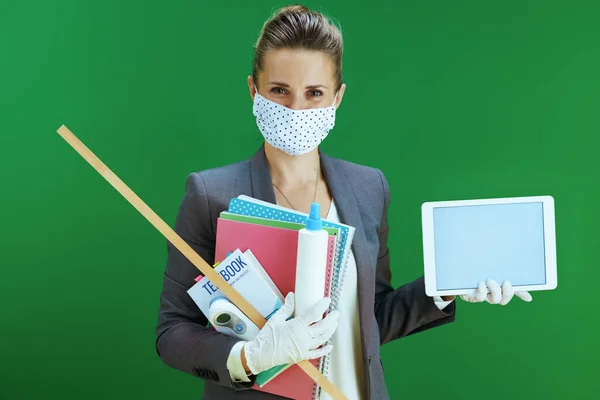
{"points": [[244, 273]]}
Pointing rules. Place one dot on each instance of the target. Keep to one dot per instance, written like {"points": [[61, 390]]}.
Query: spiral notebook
{"points": [[245, 205], [275, 249]]}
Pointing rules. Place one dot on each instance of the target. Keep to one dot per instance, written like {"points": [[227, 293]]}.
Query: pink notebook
{"points": [[276, 250]]}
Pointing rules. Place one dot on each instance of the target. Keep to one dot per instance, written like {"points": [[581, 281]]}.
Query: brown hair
{"points": [[297, 27]]}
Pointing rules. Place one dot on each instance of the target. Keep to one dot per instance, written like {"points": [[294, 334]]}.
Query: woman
{"points": [[296, 86]]}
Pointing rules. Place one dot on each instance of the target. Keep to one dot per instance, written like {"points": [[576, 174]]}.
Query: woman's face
{"points": [[298, 79]]}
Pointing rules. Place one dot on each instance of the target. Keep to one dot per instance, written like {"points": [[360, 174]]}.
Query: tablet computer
{"points": [[469, 241]]}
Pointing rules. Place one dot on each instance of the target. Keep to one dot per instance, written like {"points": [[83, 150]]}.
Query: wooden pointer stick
{"points": [[188, 252]]}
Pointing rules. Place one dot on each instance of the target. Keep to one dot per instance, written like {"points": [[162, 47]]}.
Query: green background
{"points": [[452, 100]]}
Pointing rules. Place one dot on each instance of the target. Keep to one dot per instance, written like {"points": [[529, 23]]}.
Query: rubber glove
{"points": [[498, 295], [282, 341]]}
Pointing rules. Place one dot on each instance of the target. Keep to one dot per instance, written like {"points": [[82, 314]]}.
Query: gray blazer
{"points": [[362, 197]]}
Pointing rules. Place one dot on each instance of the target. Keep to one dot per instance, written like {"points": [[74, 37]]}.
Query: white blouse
{"points": [[345, 360]]}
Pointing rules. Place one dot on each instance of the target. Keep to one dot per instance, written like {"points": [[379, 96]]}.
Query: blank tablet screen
{"points": [[499, 242]]}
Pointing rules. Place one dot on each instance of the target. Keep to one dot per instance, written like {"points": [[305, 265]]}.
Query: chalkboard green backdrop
{"points": [[451, 99]]}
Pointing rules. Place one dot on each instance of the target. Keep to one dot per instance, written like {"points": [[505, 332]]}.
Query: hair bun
{"points": [[292, 9]]}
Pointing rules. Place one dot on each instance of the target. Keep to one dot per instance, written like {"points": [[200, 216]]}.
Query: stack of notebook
{"points": [[271, 233]]}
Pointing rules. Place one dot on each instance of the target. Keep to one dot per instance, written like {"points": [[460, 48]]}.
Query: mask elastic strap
{"points": [[335, 98]]}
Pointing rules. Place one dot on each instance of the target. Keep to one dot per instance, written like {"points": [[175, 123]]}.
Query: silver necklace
{"points": [[314, 197]]}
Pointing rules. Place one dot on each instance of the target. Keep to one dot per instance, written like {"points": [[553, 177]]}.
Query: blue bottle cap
{"points": [[314, 222]]}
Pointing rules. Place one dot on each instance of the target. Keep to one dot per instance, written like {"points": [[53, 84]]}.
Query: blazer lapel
{"points": [[345, 201], [260, 176], [349, 213]]}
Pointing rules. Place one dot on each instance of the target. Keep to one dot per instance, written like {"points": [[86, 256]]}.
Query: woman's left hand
{"points": [[498, 295]]}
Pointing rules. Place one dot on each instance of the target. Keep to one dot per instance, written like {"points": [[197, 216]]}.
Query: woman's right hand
{"points": [[282, 341]]}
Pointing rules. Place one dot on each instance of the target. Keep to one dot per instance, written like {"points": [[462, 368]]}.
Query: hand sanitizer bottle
{"points": [[311, 263]]}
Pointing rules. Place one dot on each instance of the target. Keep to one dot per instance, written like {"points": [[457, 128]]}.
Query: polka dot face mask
{"points": [[294, 131]]}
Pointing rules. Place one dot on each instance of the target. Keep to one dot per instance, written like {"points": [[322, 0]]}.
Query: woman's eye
{"points": [[315, 93], [278, 90]]}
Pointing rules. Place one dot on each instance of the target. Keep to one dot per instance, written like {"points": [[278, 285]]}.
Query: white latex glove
{"points": [[498, 295], [282, 341]]}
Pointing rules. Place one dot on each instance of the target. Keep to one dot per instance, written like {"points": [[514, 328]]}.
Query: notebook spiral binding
{"points": [[245, 205], [345, 242], [327, 292]]}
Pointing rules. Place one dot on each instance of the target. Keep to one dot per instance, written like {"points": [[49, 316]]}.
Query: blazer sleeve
{"points": [[406, 310], [183, 340]]}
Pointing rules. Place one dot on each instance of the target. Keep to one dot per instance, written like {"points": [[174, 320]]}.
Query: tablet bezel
{"points": [[429, 243]]}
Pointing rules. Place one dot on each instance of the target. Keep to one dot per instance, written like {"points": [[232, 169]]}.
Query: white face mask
{"points": [[294, 131]]}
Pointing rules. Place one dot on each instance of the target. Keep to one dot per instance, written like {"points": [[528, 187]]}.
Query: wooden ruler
{"points": [[188, 252]]}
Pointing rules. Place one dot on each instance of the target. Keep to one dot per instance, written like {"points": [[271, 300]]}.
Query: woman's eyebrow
{"points": [[279, 84], [285, 85]]}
